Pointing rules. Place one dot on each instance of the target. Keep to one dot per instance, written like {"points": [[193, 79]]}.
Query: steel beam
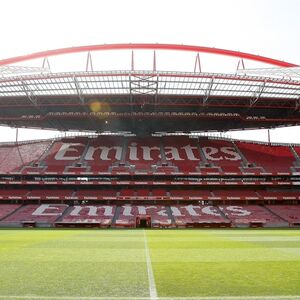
{"points": [[79, 90], [257, 94], [208, 90], [29, 93]]}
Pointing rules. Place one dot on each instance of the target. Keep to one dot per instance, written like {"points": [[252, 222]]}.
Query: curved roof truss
{"points": [[143, 46]]}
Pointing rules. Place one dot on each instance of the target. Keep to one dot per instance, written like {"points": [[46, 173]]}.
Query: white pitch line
{"points": [[35, 297], [152, 285]]}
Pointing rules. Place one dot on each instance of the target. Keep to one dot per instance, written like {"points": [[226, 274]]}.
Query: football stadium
{"points": [[140, 199]]}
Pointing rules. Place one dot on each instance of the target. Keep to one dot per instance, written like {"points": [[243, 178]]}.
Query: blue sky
{"points": [[266, 27]]}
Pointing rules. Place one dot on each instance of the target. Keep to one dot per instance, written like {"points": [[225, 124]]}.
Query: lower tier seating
{"points": [[7, 209], [251, 214], [290, 213], [197, 214], [101, 214], [128, 215], [45, 213]]}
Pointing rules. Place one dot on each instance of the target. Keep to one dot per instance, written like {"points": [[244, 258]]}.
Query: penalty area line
{"points": [[152, 285]]}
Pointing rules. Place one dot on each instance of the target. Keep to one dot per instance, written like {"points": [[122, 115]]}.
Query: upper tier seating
{"points": [[182, 152], [64, 153], [290, 213], [89, 214], [247, 214], [297, 149], [104, 152], [13, 158], [168, 154], [265, 156], [222, 154], [6, 209], [143, 154], [45, 213]]}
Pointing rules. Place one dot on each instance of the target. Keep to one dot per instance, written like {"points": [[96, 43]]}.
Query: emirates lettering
{"points": [[74, 151]]}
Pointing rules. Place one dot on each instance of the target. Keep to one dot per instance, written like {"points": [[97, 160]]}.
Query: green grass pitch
{"points": [[149, 264]]}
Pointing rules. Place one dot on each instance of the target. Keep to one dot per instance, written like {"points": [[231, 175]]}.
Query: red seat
{"points": [[13, 193], [45, 213], [102, 214], [247, 214], [290, 213], [143, 154], [183, 153], [44, 194], [279, 195], [236, 194], [96, 194], [222, 154], [6, 209], [265, 155], [190, 194], [15, 157], [62, 154], [196, 214]]}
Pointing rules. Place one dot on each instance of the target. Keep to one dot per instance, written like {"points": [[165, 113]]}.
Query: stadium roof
{"points": [[134, 100]]}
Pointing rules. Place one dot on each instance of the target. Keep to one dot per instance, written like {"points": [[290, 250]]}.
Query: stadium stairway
{"points": [[81, 160], [162, 153], [42, 158], [80, 165], [170, 215], [202, 156], [244, 160], [223, 214], [296, 166], [284, 222], [295, 153], [124, 152], [64, 213], [116, 215]]}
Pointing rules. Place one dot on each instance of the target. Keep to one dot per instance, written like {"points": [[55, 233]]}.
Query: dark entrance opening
{"points": [[144, 222]]}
